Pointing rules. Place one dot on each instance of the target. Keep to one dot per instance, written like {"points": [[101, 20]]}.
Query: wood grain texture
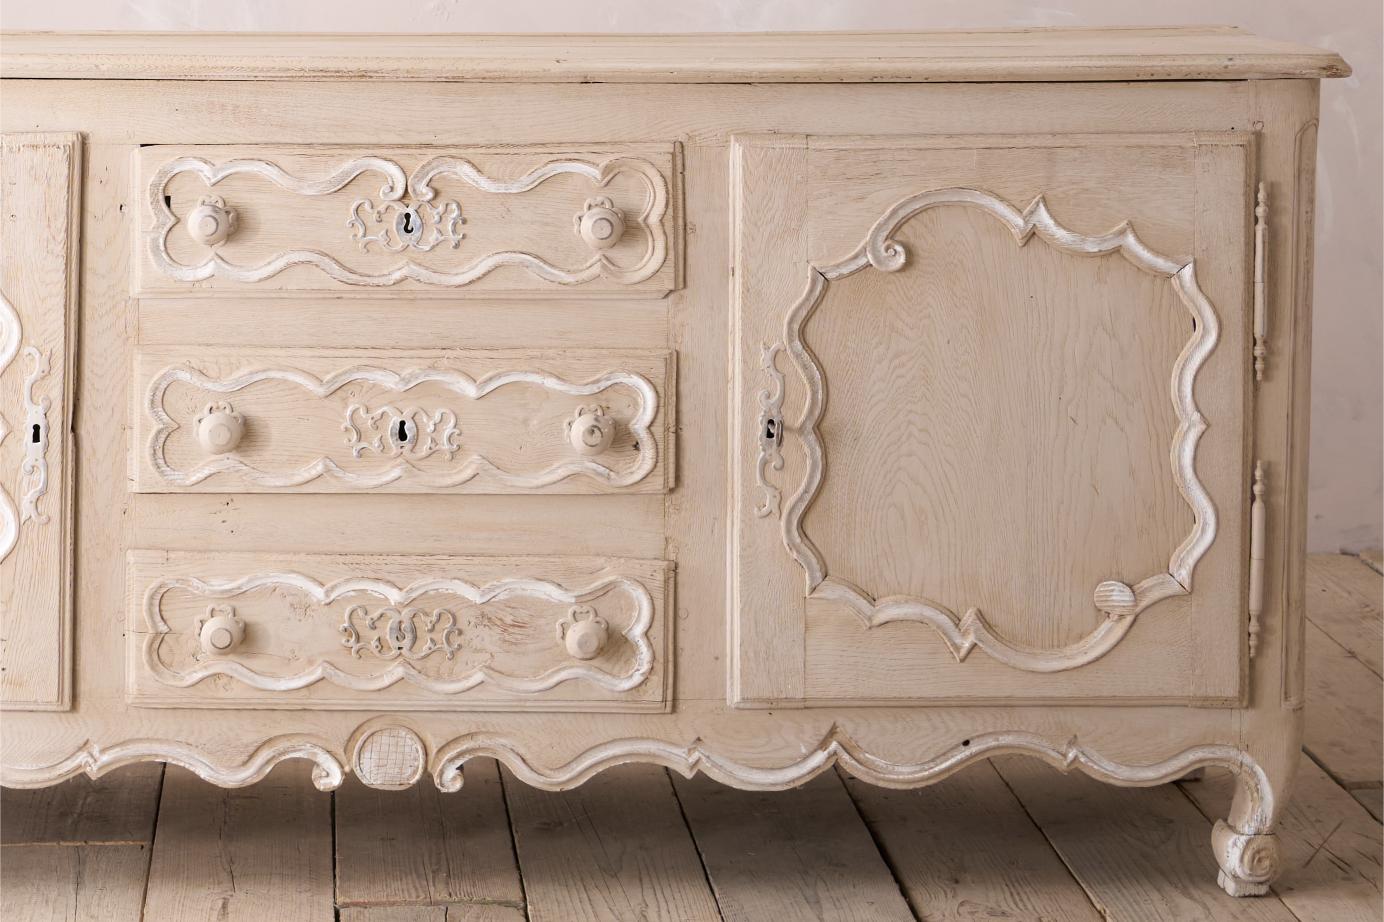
{"points": [[40, 198], [1150, 864], [119, 808], [1374, 558], [72, 883], [1345, 598], [1331, 847], [940, 842], [1194, 52], [423, 846], [614, 849], [255, 853], [1344, 726], [798, 854]]}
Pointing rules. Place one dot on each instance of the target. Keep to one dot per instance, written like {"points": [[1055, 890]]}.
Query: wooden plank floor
{"points": [[1008, 839]]}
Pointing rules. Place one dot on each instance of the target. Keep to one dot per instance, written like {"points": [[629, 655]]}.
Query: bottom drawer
{"points": [[375, 632]]}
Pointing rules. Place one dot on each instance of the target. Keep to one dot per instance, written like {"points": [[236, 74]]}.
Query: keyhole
{"points": [[771, 430], [408, 229], [402, 432], [38, 433]]}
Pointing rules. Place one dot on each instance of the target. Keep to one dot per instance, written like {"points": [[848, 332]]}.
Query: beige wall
{"points": [[1347, 492]]}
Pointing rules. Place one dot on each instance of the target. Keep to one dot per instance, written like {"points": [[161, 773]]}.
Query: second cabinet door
{"points": [[990, 418]]}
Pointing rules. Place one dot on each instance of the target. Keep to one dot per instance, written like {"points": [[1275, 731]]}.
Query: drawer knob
{"points": [[601, 224], [211, 222], [583, 632], [591, 431], [222, 631], [220, 428]]}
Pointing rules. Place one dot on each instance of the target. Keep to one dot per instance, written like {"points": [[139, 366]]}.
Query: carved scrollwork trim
{"points": [[838, 749], [770, 432], [835, 749], [34, 467], [1120, 602], [327, 773], [400, 598], [455, 381], [419, 186]]}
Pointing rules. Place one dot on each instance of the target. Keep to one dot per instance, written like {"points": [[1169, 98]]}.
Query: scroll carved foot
{"points": [[1248, 863]]}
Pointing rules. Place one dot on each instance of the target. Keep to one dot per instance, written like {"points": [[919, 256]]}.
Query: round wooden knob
{"points": [[601, 224], [219, 429], [222, 632], [591, 431], [211, 222], [583, 633]]}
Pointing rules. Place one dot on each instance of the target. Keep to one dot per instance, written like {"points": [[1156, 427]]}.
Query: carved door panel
{"points": [[39, 200], [989, 419]]}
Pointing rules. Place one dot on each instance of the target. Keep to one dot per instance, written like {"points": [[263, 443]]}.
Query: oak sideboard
{"points": [[754, 405]]}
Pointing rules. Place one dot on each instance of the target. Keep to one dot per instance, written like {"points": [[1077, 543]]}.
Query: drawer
{"points": [[484, 421], [447, 633], [519, 219]]}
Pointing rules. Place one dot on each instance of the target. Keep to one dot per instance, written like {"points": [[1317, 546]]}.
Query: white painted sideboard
{"points": [[749, 405]]}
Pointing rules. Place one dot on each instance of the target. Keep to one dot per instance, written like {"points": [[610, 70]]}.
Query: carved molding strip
{"points": [[10, 334], [1120, 601], [402, 669], [327, 774], [455, 381], [836, 748], [770, 432], [34, 467], [419, 186]]}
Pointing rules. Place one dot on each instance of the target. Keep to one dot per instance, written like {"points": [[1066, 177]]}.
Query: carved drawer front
{"points": [[446, 633], [538, 219], [318, 421]]}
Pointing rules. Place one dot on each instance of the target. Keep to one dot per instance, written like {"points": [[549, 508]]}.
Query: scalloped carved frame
{"points": [[1121, 603], [837, 748], [1245, 848], [419, 187], [401, 670], [456, 381]]}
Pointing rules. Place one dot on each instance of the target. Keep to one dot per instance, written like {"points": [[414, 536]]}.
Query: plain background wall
{"points": [[1346, 498]]}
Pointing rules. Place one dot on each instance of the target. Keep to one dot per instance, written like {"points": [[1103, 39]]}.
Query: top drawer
{"points": [[601, 220]]}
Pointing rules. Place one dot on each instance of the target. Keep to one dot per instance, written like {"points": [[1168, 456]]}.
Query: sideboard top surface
{"points": [[1033, 54]]}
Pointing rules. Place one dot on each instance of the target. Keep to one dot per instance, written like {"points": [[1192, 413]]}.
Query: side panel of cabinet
{"points": [[40, 199], [989, 416]]}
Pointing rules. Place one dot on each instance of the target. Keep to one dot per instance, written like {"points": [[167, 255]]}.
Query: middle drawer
{"points": [[475, 421]]}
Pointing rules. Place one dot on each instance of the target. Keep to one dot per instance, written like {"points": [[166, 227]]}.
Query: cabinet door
{"points": [[39, 201], [989, 419]]}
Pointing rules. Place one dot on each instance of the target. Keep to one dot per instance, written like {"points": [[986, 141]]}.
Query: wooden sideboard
{"points": [[750, 405]]}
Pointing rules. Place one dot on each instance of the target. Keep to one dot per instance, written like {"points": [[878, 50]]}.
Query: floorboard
{"points": [[118, 807], [72, 883], [1344, 726], [455, 912], [944, 845], [1331, 848], [799, 854], [251, 854], [423, 846], [1142, 854], [616, 848], [1345, 598]]}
